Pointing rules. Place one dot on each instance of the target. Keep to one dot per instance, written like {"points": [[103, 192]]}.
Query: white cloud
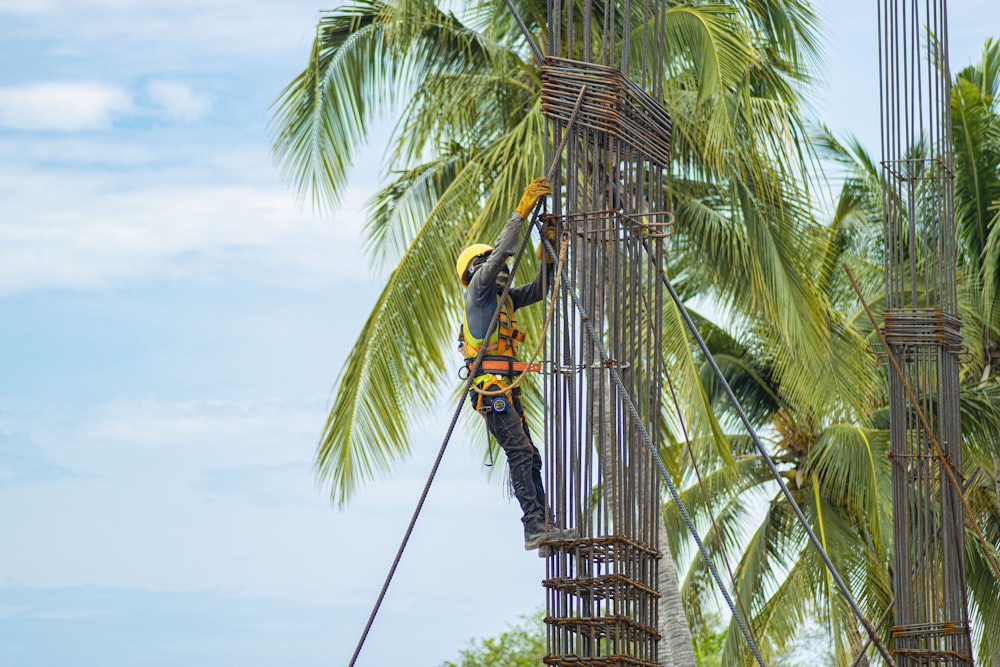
{"points": [[96, 228], [186, 33], [207, 432], [219, 494], [66, 106], [24, 7], [179, 101]]}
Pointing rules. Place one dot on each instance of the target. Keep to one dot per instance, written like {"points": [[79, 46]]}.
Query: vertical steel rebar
{"points": [[921, 328], [601, 587]]}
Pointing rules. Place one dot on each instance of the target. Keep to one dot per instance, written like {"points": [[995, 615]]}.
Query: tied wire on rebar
{"points": [[603, 639], [598, 421], [602, 602], [922, 335]]}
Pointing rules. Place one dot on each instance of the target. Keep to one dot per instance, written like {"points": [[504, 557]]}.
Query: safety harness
{"points": [[499, 361]]}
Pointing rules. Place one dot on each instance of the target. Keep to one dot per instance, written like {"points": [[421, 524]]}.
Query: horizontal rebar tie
{"points": [[611, 629], [938, 657], [940, 635], [614, 106], [918, 169], [929, 327], [607, 549], [942, 629], [608, 661], [616, 586], [595, 581], [615, 224]]}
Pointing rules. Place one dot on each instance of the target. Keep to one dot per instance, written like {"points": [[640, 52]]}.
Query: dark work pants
{"points": [[523, 459]]}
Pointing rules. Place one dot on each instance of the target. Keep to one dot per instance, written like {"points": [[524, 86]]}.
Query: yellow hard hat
{"points": [[467, 256]]}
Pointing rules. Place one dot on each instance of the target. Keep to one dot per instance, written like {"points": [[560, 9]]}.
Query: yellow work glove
{"points": [[537, 189], [549, 234]]}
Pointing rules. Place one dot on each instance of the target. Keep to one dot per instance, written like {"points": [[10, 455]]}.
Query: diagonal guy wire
{"points": [[845, 591], [674, 493], [537, 52], [461, 403]]}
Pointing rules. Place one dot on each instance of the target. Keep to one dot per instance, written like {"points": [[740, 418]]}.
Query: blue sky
{"points": [[171, 323]]}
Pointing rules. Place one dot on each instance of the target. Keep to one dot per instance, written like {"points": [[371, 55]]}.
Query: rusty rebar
{"points": [[946, 463], [921, 335]]}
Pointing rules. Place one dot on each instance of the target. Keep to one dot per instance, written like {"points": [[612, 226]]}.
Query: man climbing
{"points": [[484, 272]]}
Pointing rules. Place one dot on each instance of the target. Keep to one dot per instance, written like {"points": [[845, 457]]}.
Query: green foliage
{"points": [[708, 640], [831, 443], [471, 135], [793, 339], [812, 649], [522, 645]]}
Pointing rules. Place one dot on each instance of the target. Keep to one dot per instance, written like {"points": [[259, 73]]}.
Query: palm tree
{"points": [[976, 139], [470, 136], [832, 443], [472, 106], [833, 456]]}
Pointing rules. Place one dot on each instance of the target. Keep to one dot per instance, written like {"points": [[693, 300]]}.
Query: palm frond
{"points": [[767, 556], [400, 351], [365, 55], [852, 465]]}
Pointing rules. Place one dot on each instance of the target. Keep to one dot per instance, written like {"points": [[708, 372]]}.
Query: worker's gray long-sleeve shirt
{"points": [[481, 296]]}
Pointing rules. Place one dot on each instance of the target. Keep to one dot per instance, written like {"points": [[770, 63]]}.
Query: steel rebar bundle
{"points": [[921, 327], [602, 599]]}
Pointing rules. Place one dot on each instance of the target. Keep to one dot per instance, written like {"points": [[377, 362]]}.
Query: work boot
{"points": [[534, 532], [537, 529]]}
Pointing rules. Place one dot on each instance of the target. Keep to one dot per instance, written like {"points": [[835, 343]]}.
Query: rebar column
{"points": [[921, 328], [601, 586]]}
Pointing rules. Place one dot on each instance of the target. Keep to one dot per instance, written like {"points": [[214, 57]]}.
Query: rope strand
{"points": [[437, 460]]}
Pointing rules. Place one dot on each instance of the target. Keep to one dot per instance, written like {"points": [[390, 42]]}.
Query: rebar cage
{"points": [[602, 597], [922, 329], [601, 586]]}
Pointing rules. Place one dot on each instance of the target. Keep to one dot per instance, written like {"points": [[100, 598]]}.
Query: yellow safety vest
{"points": [[503, 343]]}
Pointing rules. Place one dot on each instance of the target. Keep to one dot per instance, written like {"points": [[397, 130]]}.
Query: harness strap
{"points": [[498, 381], [503, 366]]}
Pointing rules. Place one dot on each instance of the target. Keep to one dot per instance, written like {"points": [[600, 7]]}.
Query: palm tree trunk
{"points": [[675, 648], [996, 485]]}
